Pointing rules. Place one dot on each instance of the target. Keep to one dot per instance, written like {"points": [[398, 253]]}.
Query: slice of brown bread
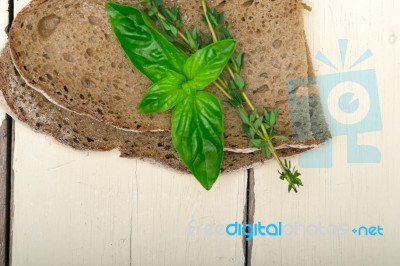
{"points": [[67, 51], [84, 133]]}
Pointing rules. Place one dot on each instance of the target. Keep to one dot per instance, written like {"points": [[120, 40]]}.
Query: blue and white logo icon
{"points": [[351, 106]]}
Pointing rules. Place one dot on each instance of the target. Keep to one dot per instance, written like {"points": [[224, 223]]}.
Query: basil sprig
{"points": [[197, 126], [147, 49]]}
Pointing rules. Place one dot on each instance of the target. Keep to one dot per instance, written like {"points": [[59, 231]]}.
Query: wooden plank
{"points": [[4, 181], [353, 194], [91, 208], [77, 208], [4, 194]]}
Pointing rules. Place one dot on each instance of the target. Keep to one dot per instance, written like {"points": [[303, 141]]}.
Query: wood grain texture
{"points": [[3, 150], [353, 194], [3, 193], [98, 209]]}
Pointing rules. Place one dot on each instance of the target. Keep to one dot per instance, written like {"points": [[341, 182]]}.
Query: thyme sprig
{"points": [[260, 128]]}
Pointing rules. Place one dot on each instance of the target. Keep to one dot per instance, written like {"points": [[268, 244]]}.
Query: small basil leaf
{"points": [[239, 82], [246, 129], [244, 116], [148, 50], [190, 38], [163, 95], [197, 135], [266, 114], [205, 66], [232, 85], [273, 117], [252, 132], [253, 116], [153, 11], [258, 122], [280, 137], [255, 143], [239, 61], [265, 151], [165, 25], [267, 126], [275, 111]]}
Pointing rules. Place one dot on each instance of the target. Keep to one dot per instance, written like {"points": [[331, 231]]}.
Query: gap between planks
{"points": [[6, 174], [248, 215], [6, 145]]}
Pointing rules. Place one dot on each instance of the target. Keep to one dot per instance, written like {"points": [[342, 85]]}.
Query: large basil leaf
{"points": [[163, 95], [149, 51], [204, 66], [197, 135]]}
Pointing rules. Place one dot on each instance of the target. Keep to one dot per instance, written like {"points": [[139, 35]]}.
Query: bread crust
{"points": [[274, 54], [83, 133]]}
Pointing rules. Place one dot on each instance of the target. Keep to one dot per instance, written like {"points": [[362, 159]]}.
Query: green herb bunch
{"points": [[182, 63]]}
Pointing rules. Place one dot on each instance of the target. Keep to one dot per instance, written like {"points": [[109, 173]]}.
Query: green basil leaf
{"points": [[148, 50], [205, 66], [163, 95], [197, 135]]}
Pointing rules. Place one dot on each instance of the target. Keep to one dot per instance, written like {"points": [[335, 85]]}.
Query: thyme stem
{"points": [[248, 102], [214, 36], [183, 37], [222, 89]]}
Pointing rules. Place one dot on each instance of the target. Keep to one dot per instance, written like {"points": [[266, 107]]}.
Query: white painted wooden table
{"points": [[88, 208]]}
